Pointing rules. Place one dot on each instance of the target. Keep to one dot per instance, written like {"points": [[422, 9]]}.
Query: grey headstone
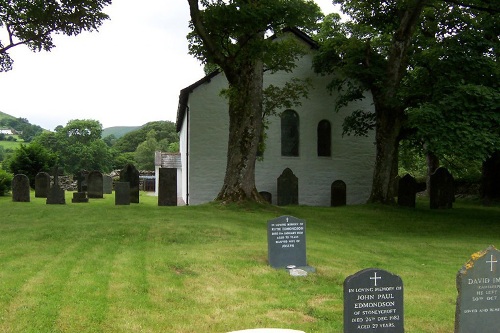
{"points": [[79, 197], [267, 196], [107, 184], [122, 193], [442, 192], [478, 301], [20, 188], [42, 184], [288, 188], [131, 175], [95, 185], [56, 195], [407, 191], [167, 191], [338, 193], [286, 242], [373, 302]]}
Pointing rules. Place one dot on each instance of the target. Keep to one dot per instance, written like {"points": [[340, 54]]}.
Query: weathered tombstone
{"points": [[373, 302], [56, 195], [267, 196], [478, 301], [167, 191], [442, 192], [338, 194], [288, 188], [80, 196], [95, 185], [407, 191], [286, 242], [122, 193], [131, 175], [42, 184], [107, 184], [20, 188]]}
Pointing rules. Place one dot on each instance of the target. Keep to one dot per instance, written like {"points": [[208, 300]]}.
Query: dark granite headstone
{"points": [[131, 175], [286, 242], [478, 301], [80, 196], [167, 190], [56, 195], [267, 196], [373, 302], [442, 192], [107, 184], [20, 188], [42, 184], [338, 194], [122, 193], [95, 185], [288, 188], [407, 191]]}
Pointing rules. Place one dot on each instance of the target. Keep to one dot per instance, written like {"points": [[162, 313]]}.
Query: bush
{"points": [[5, 182]]}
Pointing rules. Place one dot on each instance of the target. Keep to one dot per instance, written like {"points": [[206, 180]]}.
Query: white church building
{"points": [[307, 139]]}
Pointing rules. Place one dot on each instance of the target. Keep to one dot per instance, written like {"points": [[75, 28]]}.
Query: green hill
{"points": [[118, 131], [6, 116]]}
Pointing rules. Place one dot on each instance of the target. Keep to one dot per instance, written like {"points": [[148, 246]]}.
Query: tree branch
{"points": [[490, 10]]}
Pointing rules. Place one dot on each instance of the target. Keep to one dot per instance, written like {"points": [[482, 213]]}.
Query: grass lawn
{"points": [[97, 267]]}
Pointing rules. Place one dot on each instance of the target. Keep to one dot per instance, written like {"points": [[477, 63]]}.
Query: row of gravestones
{"points": [[442, 192], [373, 298]]}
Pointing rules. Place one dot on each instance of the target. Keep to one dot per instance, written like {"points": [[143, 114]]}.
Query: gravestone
{"points": [[107, 184], [288, 188], [56, 195], [167, 191], [122, 193], [407, 191], [338, 194], [478, 301], [373, 302], [20, 188], [267, 196], [42, 184], [95, 185], [131, 175], [286, 242], [80, 196], [442, 192]]}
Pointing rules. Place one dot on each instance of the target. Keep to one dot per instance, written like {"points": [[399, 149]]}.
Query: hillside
{"points": [[5, 115], [118, 131]]}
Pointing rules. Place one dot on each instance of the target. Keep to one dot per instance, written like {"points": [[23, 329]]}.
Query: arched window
{"points": [[324, 138], [289, 133]]}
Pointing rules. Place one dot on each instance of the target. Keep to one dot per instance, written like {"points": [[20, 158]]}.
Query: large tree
{"points": [[378, 50], [232, 35], [33, 23]]}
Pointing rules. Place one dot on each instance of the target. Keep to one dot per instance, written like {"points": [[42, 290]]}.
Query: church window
{"points": [[324, 138], [289, 133]]}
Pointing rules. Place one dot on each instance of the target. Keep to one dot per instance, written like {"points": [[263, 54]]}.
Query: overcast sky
{"points": [[127, 74]]}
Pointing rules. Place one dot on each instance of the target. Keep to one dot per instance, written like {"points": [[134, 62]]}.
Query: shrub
{"points": [[5, 182]]}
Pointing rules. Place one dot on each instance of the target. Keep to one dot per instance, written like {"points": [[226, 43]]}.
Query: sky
{"points": [[128, 73]]}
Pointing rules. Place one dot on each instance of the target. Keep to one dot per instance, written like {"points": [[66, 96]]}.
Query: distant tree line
{"points": [[22, 126]]}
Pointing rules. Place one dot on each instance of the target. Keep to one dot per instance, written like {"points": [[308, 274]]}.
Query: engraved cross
{"points": [[491, 262], [375, 278]]}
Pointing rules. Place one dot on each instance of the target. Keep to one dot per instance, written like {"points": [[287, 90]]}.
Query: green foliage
{"points": [[130, 141], [31, 159], [21, 125], [145, 152], [118, 131], [5, 182]]}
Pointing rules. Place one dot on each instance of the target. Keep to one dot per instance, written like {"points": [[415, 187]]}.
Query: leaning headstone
{"points": [[107, 184], [131, 175], [442, 192], [122, 193], [478, 301], [338, 194], [286, 242], [268, 197], [288, 188], [56, 195], [42, 184], [20, 188], [407, 191], [167, 191], [373, 302], [95, 185]]}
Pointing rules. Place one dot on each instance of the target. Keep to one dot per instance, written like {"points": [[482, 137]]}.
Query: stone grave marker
{"points": [[122, 193], [407, 191], [286, 242], [79, 196], [167, 188], [20, 188], [373, 302], [267, 196], [107, 184], [288, 188], [442, 192], [95, 185], [131, 175], [478, 301], [338, 193], [56, 195], [42, 184]]}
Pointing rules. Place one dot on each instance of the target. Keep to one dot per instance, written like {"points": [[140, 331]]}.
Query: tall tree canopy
{"points": [[33, 23], [395, 49], [232, 35]]}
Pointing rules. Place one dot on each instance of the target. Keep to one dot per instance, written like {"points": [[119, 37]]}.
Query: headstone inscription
{"points": [[20, 188], [478, 300], [56, 195], [288, 188], [407, 191], [131, 175], [286, 242], [95, 185], [122, 193], [42, 184], [338, 193], [373, 302], [167, 191], [107, 184], [442, 192]]}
